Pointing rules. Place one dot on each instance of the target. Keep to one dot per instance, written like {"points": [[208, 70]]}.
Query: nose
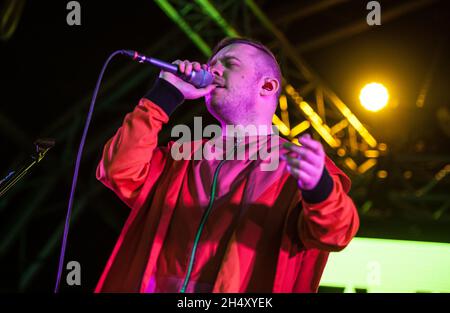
{"points": [[216, 69]]}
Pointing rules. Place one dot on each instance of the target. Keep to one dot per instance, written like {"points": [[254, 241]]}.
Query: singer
{"points": [[222, 225]]}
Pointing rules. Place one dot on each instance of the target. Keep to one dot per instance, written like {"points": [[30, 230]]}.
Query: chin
{"points": [[211, 98], [213, 101], [215, 109]]}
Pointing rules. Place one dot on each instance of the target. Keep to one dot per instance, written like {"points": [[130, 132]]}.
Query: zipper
{"points": [[202, 223]]}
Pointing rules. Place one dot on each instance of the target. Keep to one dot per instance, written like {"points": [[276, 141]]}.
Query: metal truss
{"points": [[307, 101]]}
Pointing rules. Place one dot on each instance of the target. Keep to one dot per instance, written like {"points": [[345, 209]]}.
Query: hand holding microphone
{"points": [[192, 79], [187, 68]]}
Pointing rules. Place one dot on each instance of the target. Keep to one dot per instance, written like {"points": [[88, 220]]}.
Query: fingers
{"points": [[304, 153], [304, 166], [287, 154], [186, 67], [305, 163], [196, 66], [305, 180], [181, 65], [302, 177], [311, 150], [188, 90], [310, 143]]}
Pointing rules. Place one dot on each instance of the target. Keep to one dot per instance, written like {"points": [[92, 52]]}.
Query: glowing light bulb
{"points": [[374, 97]]}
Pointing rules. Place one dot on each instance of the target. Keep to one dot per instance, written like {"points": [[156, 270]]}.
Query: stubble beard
{"points": [[232, 108]]}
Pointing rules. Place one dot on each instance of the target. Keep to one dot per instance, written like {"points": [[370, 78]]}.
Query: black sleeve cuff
{"points": [[165, 95], [321, 191]]}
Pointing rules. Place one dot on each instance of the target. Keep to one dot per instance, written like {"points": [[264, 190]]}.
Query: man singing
{"points": [[221, 224]]}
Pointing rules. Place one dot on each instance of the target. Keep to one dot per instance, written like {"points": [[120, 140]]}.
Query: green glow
{"points": [[381, 265], [215, 15], [172, 13]]}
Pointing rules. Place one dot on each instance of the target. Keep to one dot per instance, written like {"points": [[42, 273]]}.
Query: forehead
{"points": [[239, 50]]}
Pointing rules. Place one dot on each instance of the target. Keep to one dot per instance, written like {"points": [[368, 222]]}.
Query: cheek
{"points": [[242, 81]]}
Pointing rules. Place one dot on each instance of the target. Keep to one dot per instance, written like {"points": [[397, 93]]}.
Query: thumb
{"points": [[195, 93], [206, 90]]}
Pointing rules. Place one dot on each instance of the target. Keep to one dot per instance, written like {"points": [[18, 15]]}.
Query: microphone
{"points": [[199, 79]]}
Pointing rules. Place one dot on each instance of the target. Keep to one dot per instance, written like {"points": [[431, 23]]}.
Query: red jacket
{"points": [[283, 249]]}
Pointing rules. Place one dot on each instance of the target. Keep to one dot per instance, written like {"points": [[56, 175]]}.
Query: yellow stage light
{"points": [[374, 97]]}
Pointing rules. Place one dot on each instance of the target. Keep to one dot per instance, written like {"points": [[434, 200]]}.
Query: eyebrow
{"points": [[228, 57]]}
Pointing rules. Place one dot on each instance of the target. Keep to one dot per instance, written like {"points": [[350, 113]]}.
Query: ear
{"points": [[269, 87]]}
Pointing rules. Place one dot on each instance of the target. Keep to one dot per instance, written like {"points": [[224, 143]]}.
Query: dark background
{"points": [[48, 71]]}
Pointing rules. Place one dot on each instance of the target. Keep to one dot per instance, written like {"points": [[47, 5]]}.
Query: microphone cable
{"points": [[200, 79], [77, 168]]}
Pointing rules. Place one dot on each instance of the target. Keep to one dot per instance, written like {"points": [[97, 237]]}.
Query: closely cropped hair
{"points": [[270, 59]]}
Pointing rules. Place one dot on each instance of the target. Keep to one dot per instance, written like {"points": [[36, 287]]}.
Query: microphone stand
{"points": [[42, 147]]}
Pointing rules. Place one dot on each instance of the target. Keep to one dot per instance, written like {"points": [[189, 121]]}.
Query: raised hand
{"points": [[189, 91], [305, 162]]}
